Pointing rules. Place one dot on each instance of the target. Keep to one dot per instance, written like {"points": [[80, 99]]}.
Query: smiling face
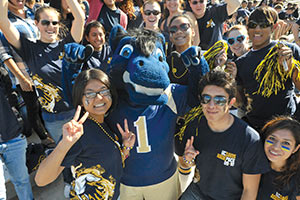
{"points": [[173, 5], [216, 113], [279, 146], [15, 5], [239, 48], [96, 38], [260, 37], [151, 21], [198, 7], [182, 39], [99, 105], [49, 33]]}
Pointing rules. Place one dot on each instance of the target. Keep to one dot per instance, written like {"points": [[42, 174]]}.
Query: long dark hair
{"points": [[82, 80], [292, 167]]}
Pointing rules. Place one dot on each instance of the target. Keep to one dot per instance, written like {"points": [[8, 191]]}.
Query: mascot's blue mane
{"points": [[139, 65]]}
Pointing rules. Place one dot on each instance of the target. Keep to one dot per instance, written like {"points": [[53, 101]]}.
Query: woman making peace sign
{"points": [[95, 157]]}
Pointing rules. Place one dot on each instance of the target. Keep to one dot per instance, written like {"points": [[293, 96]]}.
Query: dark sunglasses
{"points": [[183, 27], [253, 24], [45, 22], [196, 2], [154, 12], [239, 39], [218, 100]]}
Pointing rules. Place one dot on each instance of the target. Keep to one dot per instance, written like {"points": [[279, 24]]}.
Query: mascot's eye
{"points": [[160, 55], [126, 51]]}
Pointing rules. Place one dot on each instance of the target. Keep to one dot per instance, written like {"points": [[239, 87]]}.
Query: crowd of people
{"points": [[241, 137]]}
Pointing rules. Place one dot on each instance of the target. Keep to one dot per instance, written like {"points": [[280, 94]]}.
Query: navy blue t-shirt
{"points": [[97, 164], [224, 157], [109, 18], [211, 25], [99, 59], [263, 108], [45, 63], [267, 189]]}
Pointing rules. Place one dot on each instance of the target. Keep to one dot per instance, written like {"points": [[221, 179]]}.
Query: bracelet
{"points": [[127, 148], [187, 161], [184, 171]]}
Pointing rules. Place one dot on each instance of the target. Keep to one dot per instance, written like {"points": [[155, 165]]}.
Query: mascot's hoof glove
{"points": [[191, 56], [77, 53]]}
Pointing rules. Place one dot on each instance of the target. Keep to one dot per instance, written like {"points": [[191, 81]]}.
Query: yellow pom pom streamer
{"points": [[271, 75], [189, 117], [213, 51]]}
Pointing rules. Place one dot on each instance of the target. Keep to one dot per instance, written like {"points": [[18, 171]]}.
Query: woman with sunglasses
{"points": [[238, 40], [151, 13], [181, 35], [88, 146], [174, 8], [281, 144], [43, 59]]}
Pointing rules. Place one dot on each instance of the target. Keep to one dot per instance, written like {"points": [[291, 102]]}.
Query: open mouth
{"points": [[142, 89], [99, 105]]}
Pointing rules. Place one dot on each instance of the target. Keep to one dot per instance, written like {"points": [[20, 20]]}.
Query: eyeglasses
{"points": [[183, 27], [253, 24], [92, 95], [154, 12], [218, 100], [196, 2], [45, 22], [239, 39]]}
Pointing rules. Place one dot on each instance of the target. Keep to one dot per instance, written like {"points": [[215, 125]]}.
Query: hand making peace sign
{"points": [[127, 136]]}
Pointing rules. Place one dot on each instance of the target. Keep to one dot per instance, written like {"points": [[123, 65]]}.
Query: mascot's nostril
{"points": [[141, 63], [160, 58]]}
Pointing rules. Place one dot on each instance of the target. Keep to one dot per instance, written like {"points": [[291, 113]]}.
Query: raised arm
{"points": [[9, 30], [232, 6], [79, 19], [50, 167]]}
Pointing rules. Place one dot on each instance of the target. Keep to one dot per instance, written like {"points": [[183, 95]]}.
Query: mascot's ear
{"points": [[114, 36]]}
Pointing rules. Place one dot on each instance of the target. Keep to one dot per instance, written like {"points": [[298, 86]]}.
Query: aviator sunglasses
{"points": [[183, 27], [154, 12], [239, 39], [196, 2], [253, 24], [218, 100], [45, 22], [92, 95]]}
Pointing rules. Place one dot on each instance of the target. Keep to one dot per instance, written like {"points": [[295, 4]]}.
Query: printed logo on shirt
{"points": [[49, 93], [90, 184], [278, 196], [229, 158], [210, 24]]}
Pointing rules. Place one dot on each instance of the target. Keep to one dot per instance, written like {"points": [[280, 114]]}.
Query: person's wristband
{"points": [[184, 171], [187, 161]]}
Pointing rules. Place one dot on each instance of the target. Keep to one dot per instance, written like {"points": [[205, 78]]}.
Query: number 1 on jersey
{"points": [[142, 135]]}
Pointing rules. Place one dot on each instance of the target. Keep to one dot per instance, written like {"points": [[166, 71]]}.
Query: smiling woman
{"points": [[43, 59], [282, 143]]}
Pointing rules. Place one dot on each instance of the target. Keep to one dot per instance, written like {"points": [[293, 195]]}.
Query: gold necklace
{"points": [[110, 137], [174, 70]]}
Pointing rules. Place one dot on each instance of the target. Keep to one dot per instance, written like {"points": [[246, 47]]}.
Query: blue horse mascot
{"points": [[149, 102]]}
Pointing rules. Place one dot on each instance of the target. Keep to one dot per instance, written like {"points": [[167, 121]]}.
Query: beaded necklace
{"points": [[174, 70], [111, 138]]}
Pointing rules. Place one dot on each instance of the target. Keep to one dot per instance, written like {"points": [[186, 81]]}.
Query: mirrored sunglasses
{"points": [[183, 27], [196, 2], [218, 100], [45, 22], [239, 39], [253, 24], [154, 12]]}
